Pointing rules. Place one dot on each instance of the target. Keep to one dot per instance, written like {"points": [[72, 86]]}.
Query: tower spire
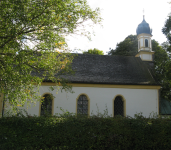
{"points": [[143, 15], [144, 41]]}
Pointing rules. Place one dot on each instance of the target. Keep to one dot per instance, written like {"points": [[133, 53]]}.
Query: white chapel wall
{"points": [[147, 57], [141, 43], [137, 100]]}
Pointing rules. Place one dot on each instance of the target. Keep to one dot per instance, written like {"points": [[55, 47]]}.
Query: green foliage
{"points": [[162, 64], [31, 34], [94, 51], [70, 132], [167, 30], [162, 71], [167, 62], [16, 112], [128, 47], [101, 115], [65, 114], [166, 46]]}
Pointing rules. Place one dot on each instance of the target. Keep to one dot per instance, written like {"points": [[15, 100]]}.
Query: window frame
{"points": [[146, 42], [88, 102], [40, 104], [124, 105]]}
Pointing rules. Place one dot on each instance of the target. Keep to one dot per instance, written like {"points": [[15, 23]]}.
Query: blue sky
{"points": [[120, 19]]}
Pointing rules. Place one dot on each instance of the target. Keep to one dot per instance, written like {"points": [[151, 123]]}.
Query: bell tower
{"points": [[144, 34]]}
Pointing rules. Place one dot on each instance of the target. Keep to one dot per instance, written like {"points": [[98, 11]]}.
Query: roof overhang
{"points": [[105, 85]]}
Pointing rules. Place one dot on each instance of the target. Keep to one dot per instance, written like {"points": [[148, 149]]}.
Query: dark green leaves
{"points": [[128, 47], [94, 51], [31, 34]]}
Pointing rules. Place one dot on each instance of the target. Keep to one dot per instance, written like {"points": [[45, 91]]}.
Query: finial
{"points": [[143, 15]]}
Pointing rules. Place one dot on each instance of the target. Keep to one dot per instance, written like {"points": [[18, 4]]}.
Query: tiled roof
{"points": [[105, 69]]}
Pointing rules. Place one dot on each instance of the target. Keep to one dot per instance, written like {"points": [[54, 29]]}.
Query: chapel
{"points": [[116, 85]]}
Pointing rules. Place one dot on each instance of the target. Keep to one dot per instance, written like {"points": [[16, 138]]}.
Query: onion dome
{"points": [[144, 27]]}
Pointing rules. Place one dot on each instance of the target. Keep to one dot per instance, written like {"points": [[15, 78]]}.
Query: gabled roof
{"points": [[105, 69]]}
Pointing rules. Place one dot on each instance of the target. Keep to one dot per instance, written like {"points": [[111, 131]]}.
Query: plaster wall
{"points": [[146, 57], [147, 49], [137, 100], [141, 42], [150, 44]]}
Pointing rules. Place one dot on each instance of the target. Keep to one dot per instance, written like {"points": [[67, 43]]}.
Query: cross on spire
{"points": [[143, 15]]}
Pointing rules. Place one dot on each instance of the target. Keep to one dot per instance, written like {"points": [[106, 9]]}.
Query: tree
{"points": [[128, 47], [167, 46], [162, 69], [94, 51], [31, 31], [162, 63], [166, 30]]}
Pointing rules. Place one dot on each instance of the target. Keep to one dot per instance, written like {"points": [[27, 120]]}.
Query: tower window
{"points": [[146, 43]]}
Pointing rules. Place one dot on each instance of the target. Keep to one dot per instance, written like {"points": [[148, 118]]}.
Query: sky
{"points": [[120, 19]]}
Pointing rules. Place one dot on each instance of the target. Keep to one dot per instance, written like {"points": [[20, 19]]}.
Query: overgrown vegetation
{"points": [[71, 131]]}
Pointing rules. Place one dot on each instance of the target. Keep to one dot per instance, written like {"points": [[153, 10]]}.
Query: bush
{"points": [[68, 131]]}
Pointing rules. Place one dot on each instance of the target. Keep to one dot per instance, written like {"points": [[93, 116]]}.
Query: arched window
{"points": [[146, 43], [82, 105], [46, 106], [118, 106]]}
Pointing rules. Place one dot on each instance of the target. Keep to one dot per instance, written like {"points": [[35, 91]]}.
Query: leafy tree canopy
{"points": [[128, 47], [162, 68], [166, 68], [31, 31], [167, 32], [94, 51]]}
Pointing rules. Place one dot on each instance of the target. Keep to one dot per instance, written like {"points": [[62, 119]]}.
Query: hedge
{"points": [[119, 133]]}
